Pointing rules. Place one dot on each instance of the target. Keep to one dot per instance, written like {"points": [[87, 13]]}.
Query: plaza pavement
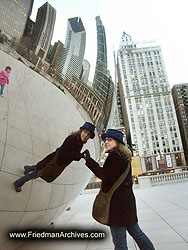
{"points": [[162, 213]]}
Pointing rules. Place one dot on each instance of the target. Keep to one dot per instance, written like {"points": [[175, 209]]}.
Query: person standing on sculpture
{"points": [[52, 165], [4, 79]]}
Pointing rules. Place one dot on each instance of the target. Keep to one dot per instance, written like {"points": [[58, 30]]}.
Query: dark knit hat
{"points": [[89, 127], [115, 134]]}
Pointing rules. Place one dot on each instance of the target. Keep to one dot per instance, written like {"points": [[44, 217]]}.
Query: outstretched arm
{"points": [[113, 167], [104, 173]]}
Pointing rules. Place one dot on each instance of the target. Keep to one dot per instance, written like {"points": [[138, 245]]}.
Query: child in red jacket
{"points": [[4, 78]]}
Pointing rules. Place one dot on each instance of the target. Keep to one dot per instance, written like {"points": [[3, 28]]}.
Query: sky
{"points": [[164, 21]]}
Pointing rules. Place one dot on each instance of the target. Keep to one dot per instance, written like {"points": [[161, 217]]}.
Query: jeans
{"points": [[1, 89], [120, 240], [32, 174]]}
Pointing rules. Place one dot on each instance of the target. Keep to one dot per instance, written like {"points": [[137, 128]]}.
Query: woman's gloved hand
{"points": [[86, 154]]}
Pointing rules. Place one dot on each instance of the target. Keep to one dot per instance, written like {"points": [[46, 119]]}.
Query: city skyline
{"points": [[150, 20]]}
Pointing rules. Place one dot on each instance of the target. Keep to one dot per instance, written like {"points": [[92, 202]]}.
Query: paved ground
{"points": [[162, 213]]}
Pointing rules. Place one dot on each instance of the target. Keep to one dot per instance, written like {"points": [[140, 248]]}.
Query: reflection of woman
{"points": [[123, 215], [53, 164]]}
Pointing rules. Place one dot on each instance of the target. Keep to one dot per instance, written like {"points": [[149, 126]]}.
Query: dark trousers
{"points": [[31, 175], [1, 89], [120, 240]]}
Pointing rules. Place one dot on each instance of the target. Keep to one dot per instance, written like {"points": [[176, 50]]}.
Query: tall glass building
{"points": [[13, 17], [43, 30], [74, 49], [102, 83], [102, 75]]}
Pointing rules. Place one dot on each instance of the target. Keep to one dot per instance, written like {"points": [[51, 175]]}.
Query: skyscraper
{"points": [[102, 83], [180, 97], [102, 74], [25, 43], [149, 115], [118, 116], [72, 58], [43, 30], [13, 17], [56, 54], [85, 71]]}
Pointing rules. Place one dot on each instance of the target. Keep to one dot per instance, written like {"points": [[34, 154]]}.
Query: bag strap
{"points": [[119, 180]]}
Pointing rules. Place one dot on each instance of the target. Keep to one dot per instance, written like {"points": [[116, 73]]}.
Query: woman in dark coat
{"points": [[53, 164], [122, 214]]}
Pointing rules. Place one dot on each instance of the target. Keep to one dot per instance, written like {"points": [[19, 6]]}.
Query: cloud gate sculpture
{"points": [[35, 118]]}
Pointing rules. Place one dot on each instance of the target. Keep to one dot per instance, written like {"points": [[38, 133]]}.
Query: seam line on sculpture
{"points": [[33, 211], [6, 130], [31, 150], [45, 182]]}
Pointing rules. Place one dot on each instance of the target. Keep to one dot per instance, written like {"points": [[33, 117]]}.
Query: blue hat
{"points": [[89, 127], [114, 133]]}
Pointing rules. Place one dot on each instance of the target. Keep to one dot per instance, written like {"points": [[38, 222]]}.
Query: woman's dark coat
{"points": [[53, 164], [123, 205]]}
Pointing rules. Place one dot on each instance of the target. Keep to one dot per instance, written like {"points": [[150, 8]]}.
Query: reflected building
{"points": [[50, 54], [43, 30], [56, 54], [90, 84], [71, 61], [85, 71], [102, 83], [118, 121], [102, 74], [29, 28], [147, 106], [25, 43], [14, 16]]}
